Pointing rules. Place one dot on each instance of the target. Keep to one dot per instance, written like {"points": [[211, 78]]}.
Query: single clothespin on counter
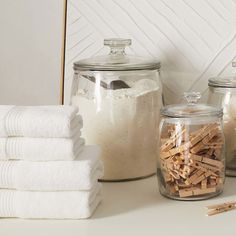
{"points": [[219, 208]]}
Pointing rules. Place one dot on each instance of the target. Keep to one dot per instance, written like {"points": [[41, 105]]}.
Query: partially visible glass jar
{"points": [[222, 93], [191, 160], [119, 97]]}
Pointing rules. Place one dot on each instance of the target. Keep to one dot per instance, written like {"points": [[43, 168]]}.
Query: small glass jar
{"points": [[119, 97], [222, 93], [191, 155]]}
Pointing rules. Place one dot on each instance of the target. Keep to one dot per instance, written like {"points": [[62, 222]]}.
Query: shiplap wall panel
{"points": [[193, 39]]}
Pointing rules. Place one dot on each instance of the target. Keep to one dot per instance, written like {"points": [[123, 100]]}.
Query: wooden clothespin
{"points": [[219, 208]]}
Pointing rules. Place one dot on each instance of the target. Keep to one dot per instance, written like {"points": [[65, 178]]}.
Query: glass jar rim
{"points": [[192, 109], [188, 111], [223, 82]]}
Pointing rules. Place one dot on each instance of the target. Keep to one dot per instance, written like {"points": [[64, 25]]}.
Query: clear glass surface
{"points": [[117, 59], [226, 99], [191, 150], [191, 108], [120, 110], [191, 157], [226, 82], [119, 97]]}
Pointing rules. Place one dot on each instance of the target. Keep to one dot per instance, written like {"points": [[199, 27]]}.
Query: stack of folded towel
{"points": [[46, 171]]}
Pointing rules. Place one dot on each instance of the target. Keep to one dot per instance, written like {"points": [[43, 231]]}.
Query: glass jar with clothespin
{"points": [[191, 155]]}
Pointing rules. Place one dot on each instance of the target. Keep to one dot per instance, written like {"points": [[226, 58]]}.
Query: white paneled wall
{"points": [[193, 39]]}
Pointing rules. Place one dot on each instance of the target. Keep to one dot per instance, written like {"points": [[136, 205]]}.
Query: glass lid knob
{"points": [[117, 42], [192, 97], [117, 45]]}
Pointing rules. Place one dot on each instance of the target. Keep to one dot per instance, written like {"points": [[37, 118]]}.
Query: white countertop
{"points": [[136, 208]]}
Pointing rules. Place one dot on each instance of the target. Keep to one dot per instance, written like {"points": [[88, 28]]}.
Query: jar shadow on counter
{"points": [[124, 197], [229, 189]]}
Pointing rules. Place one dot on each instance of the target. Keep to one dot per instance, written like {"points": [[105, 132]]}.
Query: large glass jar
{"points": [[222, 92], [191, 156], [119, 97]]}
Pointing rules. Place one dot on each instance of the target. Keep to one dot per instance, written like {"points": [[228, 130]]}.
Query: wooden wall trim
{"points": [[62, 82]]}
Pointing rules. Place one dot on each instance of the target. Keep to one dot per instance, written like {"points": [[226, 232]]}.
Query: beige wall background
{"points": [[30, 51]]}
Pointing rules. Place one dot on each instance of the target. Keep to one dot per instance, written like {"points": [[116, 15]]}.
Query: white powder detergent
{"points": [[124, 122]]}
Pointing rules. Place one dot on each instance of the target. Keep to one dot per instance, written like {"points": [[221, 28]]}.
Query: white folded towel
{"points": [[49, 205], [40, 149], [39, 121], [80, 174]]}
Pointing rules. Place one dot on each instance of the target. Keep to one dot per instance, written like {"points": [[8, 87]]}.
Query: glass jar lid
{"points": [[191, 109], [224, 82], [117, 59]]}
